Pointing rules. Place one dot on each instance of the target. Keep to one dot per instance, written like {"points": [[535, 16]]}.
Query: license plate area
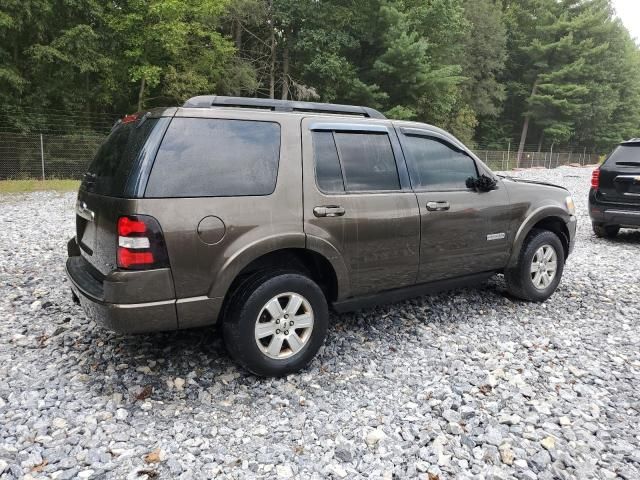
{"points": [[627, 185], [634, 188], [85, 228], [87, 241]]}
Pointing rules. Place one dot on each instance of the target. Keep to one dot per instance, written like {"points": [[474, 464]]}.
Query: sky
{"points": [[629, 13]]}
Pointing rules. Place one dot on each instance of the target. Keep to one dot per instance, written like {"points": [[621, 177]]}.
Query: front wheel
{"points": [[539, 269], [277, 322]]}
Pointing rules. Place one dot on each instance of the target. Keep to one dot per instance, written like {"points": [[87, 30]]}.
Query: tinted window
{"points": [[368, 161], [110, 168], [216, 158], [328, 173], [433, 164]]}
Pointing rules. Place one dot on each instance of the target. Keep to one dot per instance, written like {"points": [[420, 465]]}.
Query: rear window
{"points": [[625, 156], [112, 165], [201, 157]]}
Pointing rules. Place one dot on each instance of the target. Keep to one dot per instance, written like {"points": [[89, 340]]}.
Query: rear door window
{"points": [[202, 157], [113, 163], [328, 171], [367, 161], [435, 165]]}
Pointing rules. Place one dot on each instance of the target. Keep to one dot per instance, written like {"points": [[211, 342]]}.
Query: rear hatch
{"points": [[620, 175], [110, 186]]}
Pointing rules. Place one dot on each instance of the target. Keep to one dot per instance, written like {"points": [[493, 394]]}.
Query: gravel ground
{"points": [[468, 384]]}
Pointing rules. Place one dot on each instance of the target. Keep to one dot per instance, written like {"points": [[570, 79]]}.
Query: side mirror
{"points": [[483, 183]]}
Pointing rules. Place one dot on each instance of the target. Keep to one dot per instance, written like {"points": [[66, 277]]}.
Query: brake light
{"points": [[128, 258], [129, 225], [140, 243], [130, 118], [595, 179]]}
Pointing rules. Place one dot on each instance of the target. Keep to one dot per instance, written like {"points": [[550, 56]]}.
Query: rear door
{"points": [[462, 231], [358, 199], [620, 175]]}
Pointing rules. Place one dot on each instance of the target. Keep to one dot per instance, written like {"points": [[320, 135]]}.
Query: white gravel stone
{"points": [[284, 471], [73, 394], [374, 437], [122, 414]]}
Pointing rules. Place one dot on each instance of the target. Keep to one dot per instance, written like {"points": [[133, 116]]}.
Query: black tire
{"points": [[247, 304], [605, 231], [519, 278]]}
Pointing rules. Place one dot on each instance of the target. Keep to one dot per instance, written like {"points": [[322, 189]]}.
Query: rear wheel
{"points": [[276, 323], [605, 231], [539, 269]]}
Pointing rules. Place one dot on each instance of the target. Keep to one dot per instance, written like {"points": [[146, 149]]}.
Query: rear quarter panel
{"points": [[253, 225]]}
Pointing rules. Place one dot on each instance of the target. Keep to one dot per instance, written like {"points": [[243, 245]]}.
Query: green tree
{"points": [[483, 61], [172, 38], [572, 73]]}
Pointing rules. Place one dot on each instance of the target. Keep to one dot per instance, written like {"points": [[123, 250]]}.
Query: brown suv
{"points": [[260, 214]]}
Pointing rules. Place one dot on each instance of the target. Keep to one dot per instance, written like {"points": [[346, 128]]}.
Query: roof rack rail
{"points": [[208, 101], [631, 140]]}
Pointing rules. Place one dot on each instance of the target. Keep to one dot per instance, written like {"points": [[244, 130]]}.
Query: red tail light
{"points": [[128, 258], [129, 225], [140, 243], [595, 179], [130, 118]]}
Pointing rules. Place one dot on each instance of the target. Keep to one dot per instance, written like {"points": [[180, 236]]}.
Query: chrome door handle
{"points": [[438, 206], [329, 211]]}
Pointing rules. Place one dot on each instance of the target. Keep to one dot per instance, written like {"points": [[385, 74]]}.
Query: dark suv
{"points": [[614, 199], [259, 214]]}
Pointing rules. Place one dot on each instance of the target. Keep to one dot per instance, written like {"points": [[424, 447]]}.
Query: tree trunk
{"points": [[237, 34], [541, 141], [285, 72], [525, 126], [272, 66], [141, 94]]}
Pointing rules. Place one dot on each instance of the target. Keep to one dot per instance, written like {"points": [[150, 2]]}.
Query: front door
{"points": [[358, 199], [462, 231]]}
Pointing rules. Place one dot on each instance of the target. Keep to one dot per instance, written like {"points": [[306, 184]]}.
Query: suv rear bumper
{"points": [[608, 213], [93, 294]]}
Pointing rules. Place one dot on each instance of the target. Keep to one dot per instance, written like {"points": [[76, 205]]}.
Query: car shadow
{"points": [[627, 236], [146, 364]]}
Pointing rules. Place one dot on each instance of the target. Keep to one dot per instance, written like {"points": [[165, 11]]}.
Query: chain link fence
{"points": [[49, 143], [46, 156], [505, 160], [66, 156]]}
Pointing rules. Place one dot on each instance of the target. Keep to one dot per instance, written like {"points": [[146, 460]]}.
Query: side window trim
{"points": [[349, 127], [420, 132], [344, 176], [429, 134]]}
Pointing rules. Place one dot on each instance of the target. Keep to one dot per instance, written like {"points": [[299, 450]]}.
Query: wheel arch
{"points": [[330, 277], [550, 218]]}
